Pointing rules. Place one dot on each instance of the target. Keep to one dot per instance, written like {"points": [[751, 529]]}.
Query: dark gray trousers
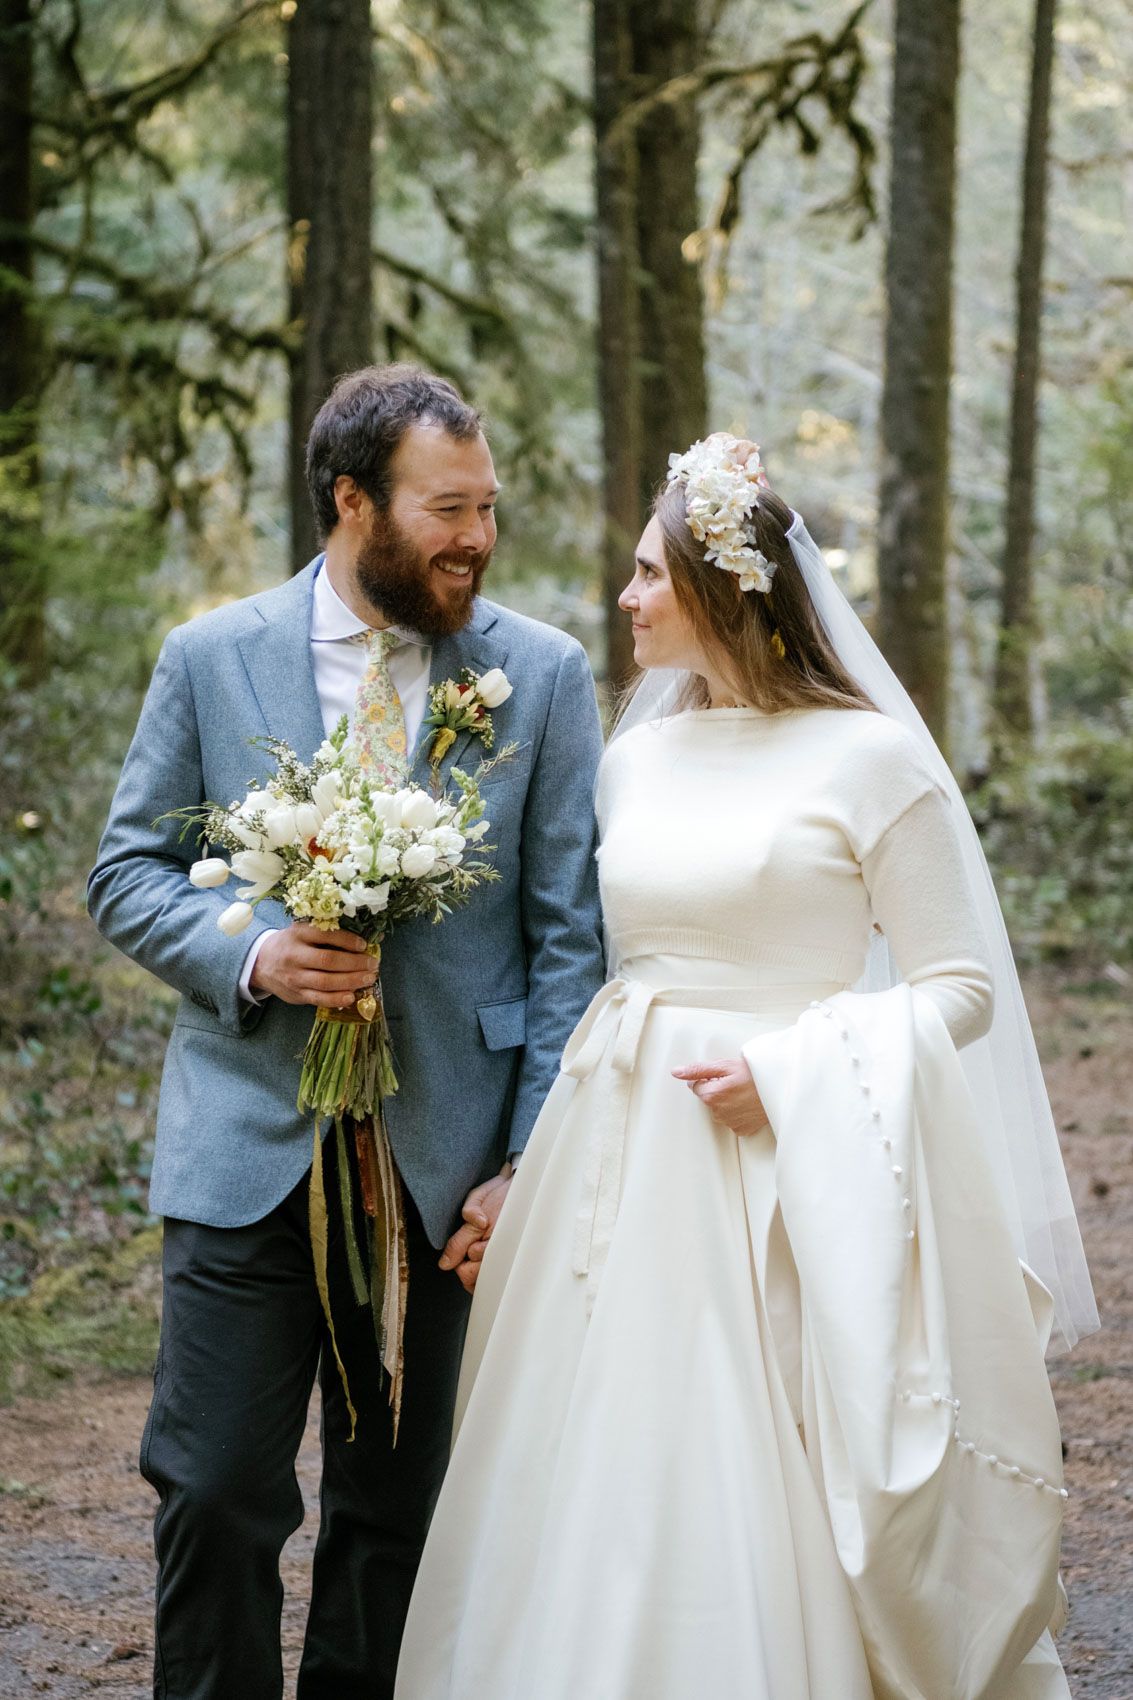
{"points": [[242, 1336]]}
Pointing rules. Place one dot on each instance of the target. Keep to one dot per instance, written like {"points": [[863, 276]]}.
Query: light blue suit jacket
{"points": [[479, 1007]]}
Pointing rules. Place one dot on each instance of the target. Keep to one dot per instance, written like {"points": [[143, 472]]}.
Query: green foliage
{"points": [[1056, 830]]}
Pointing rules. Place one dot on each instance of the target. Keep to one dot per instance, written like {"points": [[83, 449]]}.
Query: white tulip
{"points": [[387, 807], [326, 791], [308, 820], [388, 860], [419, 812], [259, 867], [493, 687], [279, 826], [209, 871], [234, 919], [418, 860]]}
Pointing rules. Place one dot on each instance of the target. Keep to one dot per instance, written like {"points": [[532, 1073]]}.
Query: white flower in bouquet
{"points": [[326, 791], [373, 898], [243, 819], [493, 687], [234, 919], [418, 811], [447, 842], [281, 826], [308, 820], [386, 807], [418, 860], [260, 868], [209, 871], [387, 859], [475, 833]]}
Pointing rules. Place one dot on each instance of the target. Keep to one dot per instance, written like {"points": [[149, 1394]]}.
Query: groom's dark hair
{"points": [[358, 427]]}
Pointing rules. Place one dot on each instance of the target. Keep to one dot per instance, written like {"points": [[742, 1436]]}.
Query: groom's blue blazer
{"points": [[479, 1007]]}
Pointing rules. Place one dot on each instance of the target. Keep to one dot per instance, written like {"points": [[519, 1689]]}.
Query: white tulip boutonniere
{"points": [[464, 705]]}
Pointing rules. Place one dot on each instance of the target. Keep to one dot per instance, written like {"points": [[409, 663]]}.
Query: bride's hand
{"points": [[727, 1092], [465, 1249]]}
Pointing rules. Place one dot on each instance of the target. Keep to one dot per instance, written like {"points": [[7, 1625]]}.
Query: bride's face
{"points": [[662, 632]]}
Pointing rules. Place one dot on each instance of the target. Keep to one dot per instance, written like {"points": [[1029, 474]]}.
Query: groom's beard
{"points": [[394, 576]]}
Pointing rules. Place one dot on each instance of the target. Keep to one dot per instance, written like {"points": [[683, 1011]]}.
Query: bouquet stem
{"points": [[348, 1072]]}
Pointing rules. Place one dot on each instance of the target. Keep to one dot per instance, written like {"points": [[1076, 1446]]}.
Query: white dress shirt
{"points": [[339, 658]]}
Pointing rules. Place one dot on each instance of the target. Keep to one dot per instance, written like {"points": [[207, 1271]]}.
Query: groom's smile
{"points": [[418, 561]]}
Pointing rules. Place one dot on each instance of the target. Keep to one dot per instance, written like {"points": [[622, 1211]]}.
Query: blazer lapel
{"points": [[471, 647], [277, 657]]}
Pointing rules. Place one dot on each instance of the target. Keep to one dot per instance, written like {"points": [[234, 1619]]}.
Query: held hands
{"points": [[727, 1092], [482, 1207], [303, 964]]}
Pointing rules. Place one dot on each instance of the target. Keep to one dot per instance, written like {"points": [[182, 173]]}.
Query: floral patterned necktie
{"points": [[379, 719]]}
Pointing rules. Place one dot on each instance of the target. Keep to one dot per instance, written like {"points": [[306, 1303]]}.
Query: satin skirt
{"points": [[629, 1512]]}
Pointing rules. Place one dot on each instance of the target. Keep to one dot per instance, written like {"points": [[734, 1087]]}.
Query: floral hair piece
{"points": [[721, 492]]}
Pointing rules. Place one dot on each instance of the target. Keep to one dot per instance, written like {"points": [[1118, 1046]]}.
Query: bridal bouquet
{"points": [[339, 850]]}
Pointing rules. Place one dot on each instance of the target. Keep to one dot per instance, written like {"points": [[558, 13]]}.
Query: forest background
{"points": [[615, 226]]}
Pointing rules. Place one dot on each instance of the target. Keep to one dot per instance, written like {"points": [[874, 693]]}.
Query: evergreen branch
{"points": [[164, 302], [777, 72], [124, 108], [474, 306]]}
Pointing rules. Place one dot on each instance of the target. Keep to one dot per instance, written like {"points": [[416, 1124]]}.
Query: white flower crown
{"points": [[721, 491]]}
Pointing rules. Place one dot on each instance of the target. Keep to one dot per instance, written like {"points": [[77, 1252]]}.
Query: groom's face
{"points": [[426, 554]]}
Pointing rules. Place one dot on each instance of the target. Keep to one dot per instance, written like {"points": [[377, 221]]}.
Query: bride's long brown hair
{"points": [[772, 648]]}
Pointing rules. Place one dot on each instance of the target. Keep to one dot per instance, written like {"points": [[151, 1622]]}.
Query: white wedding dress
{"points": [[763, 1418]]}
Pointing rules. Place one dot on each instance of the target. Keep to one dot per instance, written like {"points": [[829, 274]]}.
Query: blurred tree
{"points": [[652, 71], [913, 521], [1014, 675], [673, 388], [619, 320], [22, 571], [330, 213]]}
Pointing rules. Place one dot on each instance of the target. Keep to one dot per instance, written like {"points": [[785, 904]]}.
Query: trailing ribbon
{"points": [[347, 1072]]}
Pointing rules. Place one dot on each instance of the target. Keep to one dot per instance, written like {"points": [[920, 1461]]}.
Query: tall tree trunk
{"points": [[330, 203], [674, 394], [619, 335], [913, 526], [22, 574], [1014, 664]]}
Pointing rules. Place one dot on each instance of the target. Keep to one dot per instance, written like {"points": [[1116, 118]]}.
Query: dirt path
{"points": [[76, 1572]]}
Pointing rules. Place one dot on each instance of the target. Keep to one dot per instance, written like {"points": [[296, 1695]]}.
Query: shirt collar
{"points": [[332, 620]]}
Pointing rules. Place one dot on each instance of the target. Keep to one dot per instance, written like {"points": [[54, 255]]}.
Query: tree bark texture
{"points": [[619, 328], [22, 577], [913, 525], [1015, 660], [330, 210], [674, 395]]}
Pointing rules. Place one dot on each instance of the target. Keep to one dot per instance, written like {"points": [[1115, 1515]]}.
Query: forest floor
{"points": [[76, 1570]]}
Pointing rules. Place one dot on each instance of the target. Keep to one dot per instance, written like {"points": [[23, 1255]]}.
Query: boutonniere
{"points": [[464, 705]]}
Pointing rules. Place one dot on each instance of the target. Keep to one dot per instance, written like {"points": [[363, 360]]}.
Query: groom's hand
{"points": [[481, 1212], [303, 964]]}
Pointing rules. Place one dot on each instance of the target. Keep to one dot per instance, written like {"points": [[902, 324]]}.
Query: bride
{"points": [[753, 1402]]}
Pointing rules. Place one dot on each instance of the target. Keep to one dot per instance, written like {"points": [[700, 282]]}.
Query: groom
{"points": [[479, 1008]]}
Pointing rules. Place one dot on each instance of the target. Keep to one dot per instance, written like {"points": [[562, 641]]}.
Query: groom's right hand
{"points": [[304, 964]]}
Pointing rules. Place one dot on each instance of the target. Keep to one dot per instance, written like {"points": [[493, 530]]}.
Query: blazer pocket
{"points": [[504, 1025]]}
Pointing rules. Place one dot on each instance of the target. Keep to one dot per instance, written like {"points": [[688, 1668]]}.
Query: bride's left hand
{"points": [[465, 1250], [727, 1092]]}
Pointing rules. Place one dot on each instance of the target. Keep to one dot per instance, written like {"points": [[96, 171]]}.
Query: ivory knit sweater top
{"points": [[780, 841]]}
